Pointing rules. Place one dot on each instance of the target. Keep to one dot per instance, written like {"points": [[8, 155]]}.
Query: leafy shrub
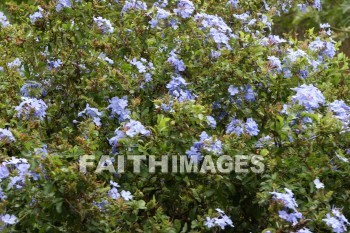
{"points": [[196, 78]]}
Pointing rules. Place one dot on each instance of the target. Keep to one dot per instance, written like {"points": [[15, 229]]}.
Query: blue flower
{"points": [[118, 106], [250, 94], [134, 5], [105, 58], [275, 62], [115, 140], [9, 219], [235, 126], [3, 20], [104, 25], [15, 63], [329, 51], [161, 3], [30, 88], [135, 127], [4, 172], [290, 217], [308, 96], [93, 113], [6, 135], [304, 73], [287, 198], [317, 44], [54, 64], [177, 89], [63, 4], [318, 183], [233, 3], [211, 121], [36, 15], [177, 63], [341, 111], [222, 221], [162, 14], [31, 107], [304, 230], [184, 8], [317, 4], [336, 221], [251, 127]]}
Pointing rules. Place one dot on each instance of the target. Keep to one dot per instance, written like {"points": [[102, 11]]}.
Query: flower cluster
{"points": [[185, 8], [3, 20], [115, 194], [104, 25], [36, 15], [6, 135], [177, 63], [31, 89], [206, 143], [308, 96], [54, 64], [93, 113], [218, 29], [118, 107], [237, 127], [31, 107], [337, 221], [103, 56], [134, 5], [290, 213], [130, 129], [177, 89], [341, 111], [222, 221], [63, 4]]}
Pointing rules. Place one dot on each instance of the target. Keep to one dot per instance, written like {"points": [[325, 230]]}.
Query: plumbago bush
{"points": [[183, 77]]}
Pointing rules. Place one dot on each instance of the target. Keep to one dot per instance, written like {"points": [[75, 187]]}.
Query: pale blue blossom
{"points": [[36, 15], [233, 3], [4, 172], [233, 90], [3, 20], [9, 219], [251, 127], [114, 141], [184, 8], [134, 5], [318, 183], [126, 195], [31, 107], [93, 113], [222, 221], [336, 221], [304, 230], [176, 62], [275, 62], [63, 4], [54, 64], [118, 107], [308, 96], [104, 25], [15, 63], [235, 126], [211, 121], [135, 127], [6, 135], [103, 56]]}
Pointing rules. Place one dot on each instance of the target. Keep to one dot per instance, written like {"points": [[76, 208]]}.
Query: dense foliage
{"points": [[181, 77]]}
